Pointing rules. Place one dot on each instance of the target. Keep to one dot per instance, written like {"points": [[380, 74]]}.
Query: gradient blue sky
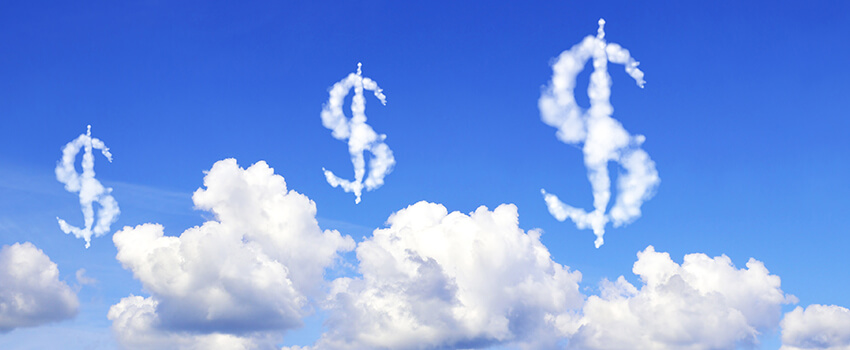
{"points": [[744, 111]]}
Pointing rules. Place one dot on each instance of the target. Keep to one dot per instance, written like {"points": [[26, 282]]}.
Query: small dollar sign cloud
{"points": [[90, 190], [360, 136], [603, 138]]}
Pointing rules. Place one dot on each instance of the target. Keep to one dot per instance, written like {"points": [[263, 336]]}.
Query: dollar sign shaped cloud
{"points": [[603, 138], [90, 190], [360, 136]]}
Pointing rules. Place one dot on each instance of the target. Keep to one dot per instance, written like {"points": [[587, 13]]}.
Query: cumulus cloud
{"points": [[704, 303], [251, 270], [603, 138], [361, 137], [90, 190], [136, 324], [439, 280], [31, 293], [435, 280], [816, 327], [431, 279]]}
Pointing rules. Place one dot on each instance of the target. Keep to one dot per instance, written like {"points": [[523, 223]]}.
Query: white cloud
{"points": [[434, 279], [31, 293], [430, 280], [136, 323], [253, 269], [82, 279], [361, 137], [89, 189], [704, 303], [603, 138], [816, 327], [439, 280]]}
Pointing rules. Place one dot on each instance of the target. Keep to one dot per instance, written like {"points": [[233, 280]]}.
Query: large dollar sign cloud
{"points": [[361, 138], [89, 189], [604, 139]]}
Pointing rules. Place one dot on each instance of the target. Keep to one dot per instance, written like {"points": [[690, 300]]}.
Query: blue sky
{"points": [[744, 113]]}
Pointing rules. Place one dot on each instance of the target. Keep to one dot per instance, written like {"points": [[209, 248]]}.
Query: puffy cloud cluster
{"points": [[816, 327], [361, 137], [90, 190], [704, 303], [251, 270], [31, 293], [438, 280], [432, 279], [602, 137]]}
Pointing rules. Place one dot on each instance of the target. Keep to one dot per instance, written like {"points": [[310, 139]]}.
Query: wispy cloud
{"points": [[90, 189], [603, 138], [361, 137], [154, 199], [31, 293], [82, 279]]}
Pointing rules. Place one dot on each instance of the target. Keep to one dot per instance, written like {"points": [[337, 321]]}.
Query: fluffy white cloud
{"points": [[137, 326], [31, 293], [253, 269], [439, 280], [602, 137], [704, 303], [435, 280], [816, 327], [430, 280]]}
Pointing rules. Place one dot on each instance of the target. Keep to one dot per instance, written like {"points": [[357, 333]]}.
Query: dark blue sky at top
{"points": [[745, 114]]}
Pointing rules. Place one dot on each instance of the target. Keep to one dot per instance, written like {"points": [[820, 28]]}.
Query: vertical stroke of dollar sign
{"points": [[90, 190], [361, 137], [604, 139]]}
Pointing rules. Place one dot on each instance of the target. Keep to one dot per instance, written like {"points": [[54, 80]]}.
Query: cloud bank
{"points": [[361, 137], [431, 279], [90, 190], [603, 138], [31, 293], [235, 279], [816, 327], [439, 280]]}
